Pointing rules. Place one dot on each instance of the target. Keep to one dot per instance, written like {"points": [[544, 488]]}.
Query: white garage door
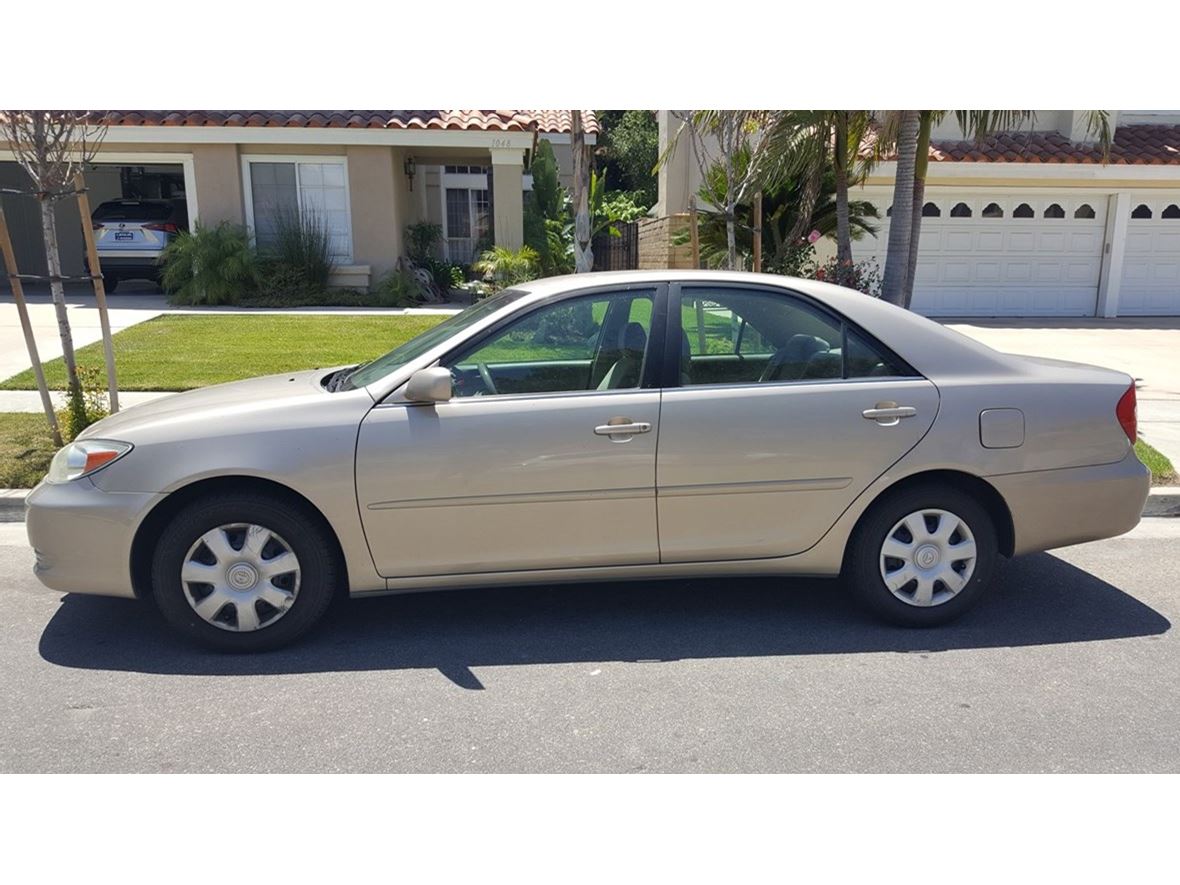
{"points": [[1002, 255], [1151, 266]]}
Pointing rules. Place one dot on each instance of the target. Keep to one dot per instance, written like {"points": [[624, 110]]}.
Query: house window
{"points": [[290, 189], [466, 222], [1141, 211]]}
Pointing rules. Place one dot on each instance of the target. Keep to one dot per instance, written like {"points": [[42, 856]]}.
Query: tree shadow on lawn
{"points": [[1037, 600]]}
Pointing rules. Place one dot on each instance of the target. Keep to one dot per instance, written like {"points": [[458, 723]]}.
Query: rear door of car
{"points": [[542, 459], [776, 415]]}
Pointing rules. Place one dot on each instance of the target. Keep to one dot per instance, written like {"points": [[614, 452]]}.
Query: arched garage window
{"points": [[961, 210], [1141, 211], [1172, 211], [992, 210], [930, 210], [1084, 211], [1024, 210], [1054, 211]]}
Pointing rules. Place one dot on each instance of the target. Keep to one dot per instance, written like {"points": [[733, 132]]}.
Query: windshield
{"points": [[415, 347]]}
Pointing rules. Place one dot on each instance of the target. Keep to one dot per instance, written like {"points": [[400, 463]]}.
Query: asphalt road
{"points": [[1071, 665]]}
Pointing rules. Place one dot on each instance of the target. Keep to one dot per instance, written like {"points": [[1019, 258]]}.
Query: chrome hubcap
{"points": [[928, 557], [240, 577]]}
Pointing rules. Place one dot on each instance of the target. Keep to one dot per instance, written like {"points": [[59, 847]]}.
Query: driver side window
{"points": [[595, 342]]}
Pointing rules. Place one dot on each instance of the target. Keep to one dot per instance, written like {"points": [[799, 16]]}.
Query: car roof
{"points": [[929, 347]]}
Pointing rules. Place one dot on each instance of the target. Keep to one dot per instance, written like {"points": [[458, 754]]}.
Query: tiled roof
{"points": [[503, 121], [1135, 145]]}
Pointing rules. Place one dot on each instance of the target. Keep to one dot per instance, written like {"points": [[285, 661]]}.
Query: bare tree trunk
{"points": [[730, 204], [57, 290], [583, 254], [757, 210], [901, 221], [843, 216], [921, 164], [18, 295]]}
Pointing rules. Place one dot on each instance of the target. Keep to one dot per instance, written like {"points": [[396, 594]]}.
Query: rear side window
{"points": [[743, 336], [133, 210]]}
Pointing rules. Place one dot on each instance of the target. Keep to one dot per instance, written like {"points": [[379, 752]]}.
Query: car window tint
{"points": [[735, 336], [588, 343], [866, 360], [132, 211]]}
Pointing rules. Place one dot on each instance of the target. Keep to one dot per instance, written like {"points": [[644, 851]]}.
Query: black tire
{"points": [[302, 530], [110, 282], [862, 562]]}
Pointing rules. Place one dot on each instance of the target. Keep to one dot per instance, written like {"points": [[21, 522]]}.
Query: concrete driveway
{"points": [[139, 302], [1147, 348]]}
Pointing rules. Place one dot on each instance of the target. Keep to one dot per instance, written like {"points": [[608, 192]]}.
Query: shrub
{"points": [[301, 250], [210, 265], [445, 274], [91, 406], [400, 289], [503, 267], [421, 241], [864, 276]]}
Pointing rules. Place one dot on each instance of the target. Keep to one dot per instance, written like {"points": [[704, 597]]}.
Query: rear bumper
{"points": [[82, 536], [1055, 508], [147, 264]]}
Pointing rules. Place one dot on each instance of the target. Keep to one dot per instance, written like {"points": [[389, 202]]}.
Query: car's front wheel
{"points": [[245, 572], [923, 556]]}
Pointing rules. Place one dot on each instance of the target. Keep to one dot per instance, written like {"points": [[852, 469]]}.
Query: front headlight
{"points": [[83, 457]]}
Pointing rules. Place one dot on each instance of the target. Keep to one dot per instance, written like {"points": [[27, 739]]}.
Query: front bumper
{"points": [[82, 536], [1056, 508]]}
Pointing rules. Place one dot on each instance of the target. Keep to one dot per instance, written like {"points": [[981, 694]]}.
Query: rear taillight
{"points": [[169, 228], [1126, 411]]}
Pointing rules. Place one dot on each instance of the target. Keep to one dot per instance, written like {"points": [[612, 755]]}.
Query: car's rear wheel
{"points": [[110, 282], [246, 572], [923, 556]]}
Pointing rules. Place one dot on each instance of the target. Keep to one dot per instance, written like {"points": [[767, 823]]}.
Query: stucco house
{"points": [[368, 173], [1028, 223]]}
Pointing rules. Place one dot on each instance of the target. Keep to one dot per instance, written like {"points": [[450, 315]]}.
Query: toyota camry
{"points": [[597, 427]]}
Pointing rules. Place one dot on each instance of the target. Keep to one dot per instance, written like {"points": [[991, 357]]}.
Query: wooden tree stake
{"points": [[100, 293], [694, 233], [18, 294], [758, 232]]}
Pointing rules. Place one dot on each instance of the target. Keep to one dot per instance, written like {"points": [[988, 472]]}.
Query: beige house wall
{"points": [[376, 219], [217, 172]]}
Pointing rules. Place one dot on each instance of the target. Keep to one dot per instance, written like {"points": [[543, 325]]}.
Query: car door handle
{"points": [[622, 429], [888, 414]]}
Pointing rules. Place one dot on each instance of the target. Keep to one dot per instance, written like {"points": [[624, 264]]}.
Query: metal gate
{"points": [[617, 252]]}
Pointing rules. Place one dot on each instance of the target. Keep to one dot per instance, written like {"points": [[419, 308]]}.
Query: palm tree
{"points": [[901, 221]]}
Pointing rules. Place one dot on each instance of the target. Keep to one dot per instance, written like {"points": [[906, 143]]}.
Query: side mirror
{"points": [[429, 386]]}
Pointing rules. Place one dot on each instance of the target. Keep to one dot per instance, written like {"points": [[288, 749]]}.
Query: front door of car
{"points": [[783, 415], [544, 457]]}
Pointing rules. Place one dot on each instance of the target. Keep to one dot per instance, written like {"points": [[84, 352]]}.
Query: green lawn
{"points": [[182, 352], [1162, 471], [26, 448]]}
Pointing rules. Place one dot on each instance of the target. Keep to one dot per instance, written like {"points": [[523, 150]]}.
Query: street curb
{"points": [[12, 501], [1162, 501]]}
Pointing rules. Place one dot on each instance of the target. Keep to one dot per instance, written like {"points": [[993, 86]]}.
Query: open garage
{"points": [[105, 180]]}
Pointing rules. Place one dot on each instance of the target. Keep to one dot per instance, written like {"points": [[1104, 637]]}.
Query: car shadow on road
{"points": [[1037, 600]]}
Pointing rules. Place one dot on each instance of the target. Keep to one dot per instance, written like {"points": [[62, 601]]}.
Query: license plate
{"points": [[121, 235]]}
